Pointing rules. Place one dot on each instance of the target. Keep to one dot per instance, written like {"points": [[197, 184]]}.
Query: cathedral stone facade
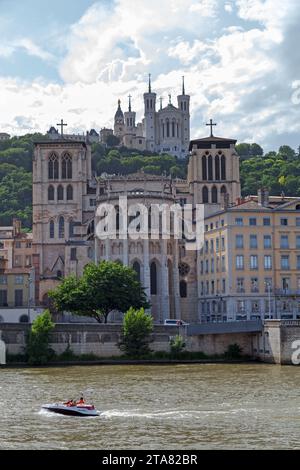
{"points": [[164, 131], [65, 198]]}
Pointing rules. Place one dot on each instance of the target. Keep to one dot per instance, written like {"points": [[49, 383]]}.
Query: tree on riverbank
{"points": [[136, 331], [102, 288], [37, 348]]}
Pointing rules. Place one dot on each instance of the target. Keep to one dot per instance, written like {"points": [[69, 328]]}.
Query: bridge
{"points": [[247, 326]]}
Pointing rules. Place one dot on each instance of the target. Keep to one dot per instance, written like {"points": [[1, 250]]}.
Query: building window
{"points": [[19, 279], [253, 262], [214, 195], [3, 298], [223, 168], [137, 268], [285, 262], [298, 242], [51, 229], [255, 306], [253, 241], [217, 167], [222, 223], [217, 244], [239, 241], [211, 246], [285, 283], [18, 260], [206, 246], [204, 169], [3, 279], [183, 289], [284, 241], [27, 260], [92, 202], [240, 285], [66, 166], [297, 221], [223, 243], [53, 167], [240, 306], [298, 262], [223, 264], [61, 227], [283, 221], [239, 262], [223, 286], [267, 262], [205, 195], [254, 284], [252, 221], [206, 266], [18, 298], [153, 278], [69, 192], [18, 244], [28, 244], [268, 284], [201, 267], [267, 242], [60, 193], [266, 221], [210, 168], [73, 254], [239, 221], [212, 269], [51, 193]]}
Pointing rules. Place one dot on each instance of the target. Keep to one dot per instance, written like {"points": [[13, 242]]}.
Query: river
{"points": [[199, 406]]}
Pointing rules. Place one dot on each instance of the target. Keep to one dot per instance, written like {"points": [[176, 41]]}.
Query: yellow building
{"points": [[250, 262]]}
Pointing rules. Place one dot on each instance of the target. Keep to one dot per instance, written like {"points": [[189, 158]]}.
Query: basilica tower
{"points": [[119, 125], [149, 123]]}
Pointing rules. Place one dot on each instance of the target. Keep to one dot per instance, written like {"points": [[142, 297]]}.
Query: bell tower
{"points": [[149, 123]]}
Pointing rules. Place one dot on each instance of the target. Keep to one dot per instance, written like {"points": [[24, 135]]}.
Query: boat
{"points": [[72, 410]]}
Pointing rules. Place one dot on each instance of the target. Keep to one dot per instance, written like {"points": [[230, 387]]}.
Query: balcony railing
{"points": [[287, 291]]}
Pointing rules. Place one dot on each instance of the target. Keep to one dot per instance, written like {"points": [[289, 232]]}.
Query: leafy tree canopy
{"points": [[102, 288]]}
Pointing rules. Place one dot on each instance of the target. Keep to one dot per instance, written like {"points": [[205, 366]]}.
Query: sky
{"points": [[74, 59]]}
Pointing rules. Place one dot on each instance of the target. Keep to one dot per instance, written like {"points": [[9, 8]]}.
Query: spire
{"points": [[149, 90], [183, 90], [170, 98], [161, 100], [129, 103]]}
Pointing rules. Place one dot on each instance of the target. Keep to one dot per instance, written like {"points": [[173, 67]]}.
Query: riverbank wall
{"points": [[274, 344]]}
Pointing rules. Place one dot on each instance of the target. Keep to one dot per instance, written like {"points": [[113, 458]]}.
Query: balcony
{"points": [[287, 292]]}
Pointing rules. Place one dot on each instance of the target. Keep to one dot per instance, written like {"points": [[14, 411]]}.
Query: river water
{"points": [[199, 406]]}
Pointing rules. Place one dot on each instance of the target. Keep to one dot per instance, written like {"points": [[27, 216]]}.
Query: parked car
{"points": [[174, 322]]}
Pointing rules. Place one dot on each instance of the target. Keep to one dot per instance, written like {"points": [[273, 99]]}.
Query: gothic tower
{"points": [[213, 172], [184, 106], [129, 118], [119, 122], [149, 123]]}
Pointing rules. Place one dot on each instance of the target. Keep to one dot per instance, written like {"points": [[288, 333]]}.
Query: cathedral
{"points": [[66, 196], [164, 131]]}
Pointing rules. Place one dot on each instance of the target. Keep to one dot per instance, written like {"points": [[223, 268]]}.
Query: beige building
{"points": [[250, 262]]}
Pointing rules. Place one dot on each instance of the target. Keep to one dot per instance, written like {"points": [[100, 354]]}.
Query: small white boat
{"points": [[72, 410]]}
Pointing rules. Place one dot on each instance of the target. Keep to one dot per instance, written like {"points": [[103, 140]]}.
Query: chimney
{"points": [[263, 197], [16, 227], [224, 201]]}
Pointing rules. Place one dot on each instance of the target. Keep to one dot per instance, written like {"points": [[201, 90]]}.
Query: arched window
{"points": [[204, 195], [214, 195], [23, 319], [137, 268], [61, 227], [223, 168], [59, 274], [298, 207], [173, 129], [210, 168], [69, 192], [183, 289], [51, 193], [66, 166], [53, 167], [204, 168], [217, 167], [177, 129], [163, 130], [60, 193], [71, 228], [153, 278], [168, 128], [51, 229], [117, 210], [223, 190]]}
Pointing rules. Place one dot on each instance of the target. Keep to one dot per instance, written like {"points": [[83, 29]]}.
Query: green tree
{"points": [[37, 348], [136, 331], [102, 288], [287, 152], [233, 351], [177, 345]]}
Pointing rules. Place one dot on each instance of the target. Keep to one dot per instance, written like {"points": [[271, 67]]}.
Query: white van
{"points": [[173, 322]]}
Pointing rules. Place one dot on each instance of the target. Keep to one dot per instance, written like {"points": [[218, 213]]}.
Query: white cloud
{"points": [[32, 49], [236, 73]]}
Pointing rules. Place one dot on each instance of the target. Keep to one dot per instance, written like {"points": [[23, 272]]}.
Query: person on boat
{"points": [[69, 403], [81, 401]]}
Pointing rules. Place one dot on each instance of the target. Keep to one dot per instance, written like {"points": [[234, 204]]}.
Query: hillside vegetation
{"points": [[279, 171]]}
